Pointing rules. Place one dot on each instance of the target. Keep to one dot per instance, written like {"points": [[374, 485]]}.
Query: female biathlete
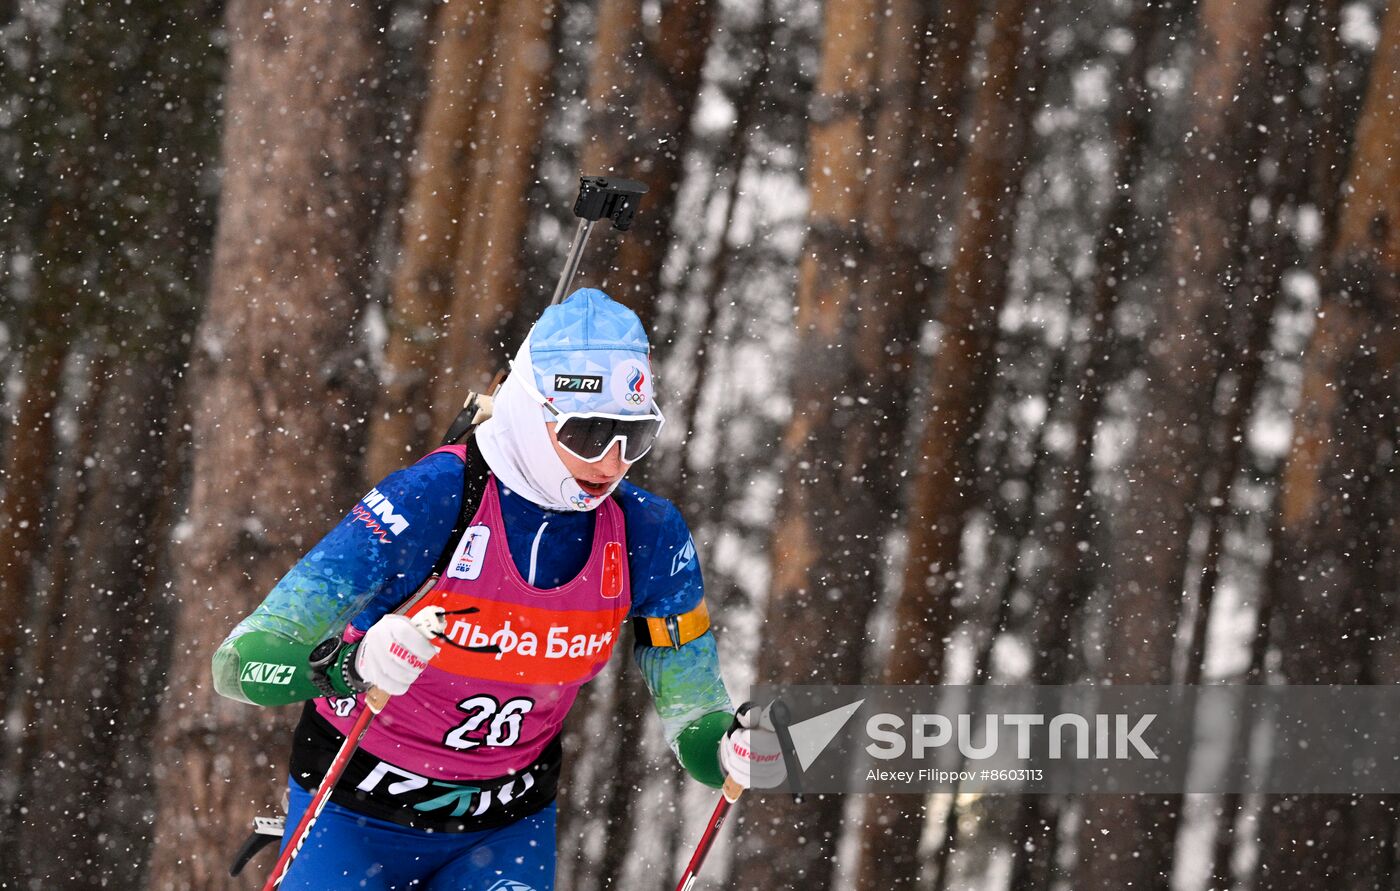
{"points": [[454, 785]]}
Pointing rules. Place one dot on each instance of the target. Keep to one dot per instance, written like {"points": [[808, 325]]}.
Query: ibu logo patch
{"points": [[510, 885], [267, 673], [470, 555], [578, 383]]}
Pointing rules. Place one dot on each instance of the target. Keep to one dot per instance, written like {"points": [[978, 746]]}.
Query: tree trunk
{"points": [[919, 112], [449, 389], [619, 48], [835, 497], [1269, 253], [33, 665], [962, 368], [960, 380], [23, 518], [666, 97], [85, 794], [694, 497], [1128, 842], [402, 427], [620, 63], [940, 110], [276, 390], [1337, 543], [91, 833], [486, 286], [642, 95], [105, 278], [49, 213]]}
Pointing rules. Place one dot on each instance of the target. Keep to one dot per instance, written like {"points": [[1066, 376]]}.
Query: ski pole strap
{"points": [[782, 721], [673, 631]]}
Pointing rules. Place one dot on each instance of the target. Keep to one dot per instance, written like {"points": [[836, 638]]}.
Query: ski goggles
{"points": [[589, 436]]}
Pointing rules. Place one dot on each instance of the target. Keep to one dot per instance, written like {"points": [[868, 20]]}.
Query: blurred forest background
{"points": [[1002, 341]]}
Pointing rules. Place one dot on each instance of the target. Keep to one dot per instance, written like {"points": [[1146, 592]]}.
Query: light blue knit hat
{"points": [[590, 354]]}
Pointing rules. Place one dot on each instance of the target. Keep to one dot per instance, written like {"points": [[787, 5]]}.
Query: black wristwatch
{"points": [[334, 657], [324, 659]]}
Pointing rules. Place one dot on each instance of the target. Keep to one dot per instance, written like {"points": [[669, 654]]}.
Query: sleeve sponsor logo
{"points": [[683, 556], [578, 383], [470, 555], [267, 673], [380, 516]]}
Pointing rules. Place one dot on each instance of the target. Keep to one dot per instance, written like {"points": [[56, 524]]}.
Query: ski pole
{"points": [[775, 717], [729, 793], [431, 623]]}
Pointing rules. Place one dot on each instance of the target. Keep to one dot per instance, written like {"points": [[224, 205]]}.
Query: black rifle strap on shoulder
{"points": [[474, 479]]}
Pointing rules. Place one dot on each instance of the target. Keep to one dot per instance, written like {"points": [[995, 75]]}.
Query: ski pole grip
{"points": [[430, 622], [731, 790], [376, 699]]}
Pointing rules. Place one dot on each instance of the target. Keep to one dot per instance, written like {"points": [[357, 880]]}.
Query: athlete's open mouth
{"points": [[592, 488]]}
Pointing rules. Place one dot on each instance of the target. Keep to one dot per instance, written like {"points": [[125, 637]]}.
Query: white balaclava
{"points": [[585, 337]]}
